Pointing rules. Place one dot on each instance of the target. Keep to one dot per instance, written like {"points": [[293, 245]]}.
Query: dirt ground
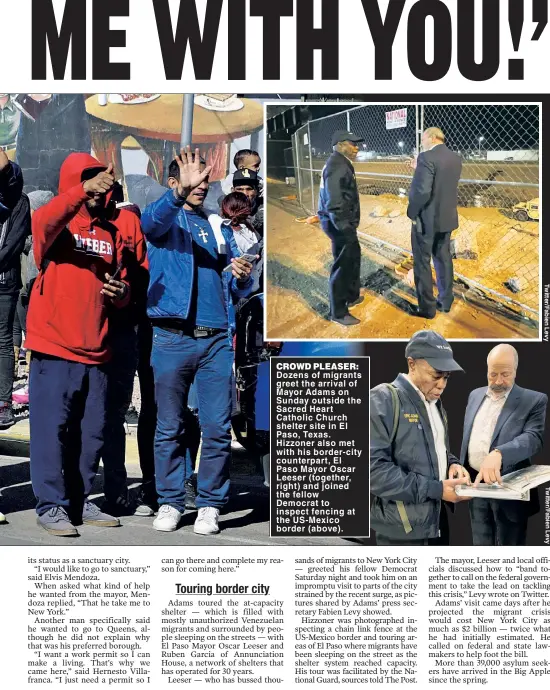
{"points": [[298, 265]]}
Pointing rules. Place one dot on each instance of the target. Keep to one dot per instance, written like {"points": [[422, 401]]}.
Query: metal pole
{"points": [[348, 121], [421, 120], [417, 131], [311, 168], [187, 120], [297, 166]]}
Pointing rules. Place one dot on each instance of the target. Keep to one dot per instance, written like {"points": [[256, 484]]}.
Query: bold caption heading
{"points": [[438, 40]]}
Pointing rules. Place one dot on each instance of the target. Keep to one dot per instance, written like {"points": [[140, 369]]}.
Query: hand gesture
{"points": [[457, 471], [449, 493], [115, 290], [241, 269], [489, 471], [191, 175], [100, 184], [4, 160]]}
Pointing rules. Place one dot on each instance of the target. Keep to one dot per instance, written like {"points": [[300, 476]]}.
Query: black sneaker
{"points": [[6, 416], [191, 492], [56, 522], [91, 515], [132, 417], [123, 505]]}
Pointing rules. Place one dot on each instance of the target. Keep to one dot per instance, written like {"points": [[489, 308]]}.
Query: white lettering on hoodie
{"points": [[91, 246]]}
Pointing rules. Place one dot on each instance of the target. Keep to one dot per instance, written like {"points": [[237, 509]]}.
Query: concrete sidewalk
{"points": [[244, 522]]}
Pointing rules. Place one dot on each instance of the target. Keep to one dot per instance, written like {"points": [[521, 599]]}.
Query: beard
{"points": [[495, 388]]}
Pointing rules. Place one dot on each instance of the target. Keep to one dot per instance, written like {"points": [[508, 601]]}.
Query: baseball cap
{"points": [[244, 176], [344, 135], [432, 347]]}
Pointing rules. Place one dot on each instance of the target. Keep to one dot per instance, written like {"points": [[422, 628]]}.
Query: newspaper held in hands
{"points": [[515, 486]]}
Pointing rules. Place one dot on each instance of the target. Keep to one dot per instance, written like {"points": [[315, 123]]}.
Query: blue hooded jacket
{"points": [[172, 265]]}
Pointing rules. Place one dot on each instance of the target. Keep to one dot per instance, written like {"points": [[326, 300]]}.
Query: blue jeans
{"points": [[177, 360]]}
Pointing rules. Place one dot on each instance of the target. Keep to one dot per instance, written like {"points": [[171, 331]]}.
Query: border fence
{"points": [[496, 248]]}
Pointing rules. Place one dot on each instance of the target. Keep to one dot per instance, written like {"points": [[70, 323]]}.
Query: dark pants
{"points": [[121, 371], [346, 270], [178, 360], [19, 323], [498, 523], [442, 540], [67, 423], [426, 244], [147, 421], [8, 305]]}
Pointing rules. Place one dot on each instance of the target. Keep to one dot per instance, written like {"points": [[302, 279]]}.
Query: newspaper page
{"points": [[273, 314]]}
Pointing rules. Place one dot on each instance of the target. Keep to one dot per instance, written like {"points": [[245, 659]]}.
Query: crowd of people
{"points": [[104, 290]]}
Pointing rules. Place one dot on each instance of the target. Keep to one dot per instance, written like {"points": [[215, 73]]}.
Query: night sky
{"points": [[503, 127]]}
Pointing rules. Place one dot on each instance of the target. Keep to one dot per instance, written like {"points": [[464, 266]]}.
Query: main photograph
{"points": [[135, 378], [131, 286]]}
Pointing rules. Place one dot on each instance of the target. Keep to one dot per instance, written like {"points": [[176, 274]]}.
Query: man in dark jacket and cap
{"points": [[412, 469], [339, 214]]}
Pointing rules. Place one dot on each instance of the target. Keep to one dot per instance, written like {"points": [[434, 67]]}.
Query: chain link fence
{"points": [[497, 244]]}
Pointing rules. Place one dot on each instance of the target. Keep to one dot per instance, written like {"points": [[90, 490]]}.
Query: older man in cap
{"points": [[412, 469], [340, 213]]}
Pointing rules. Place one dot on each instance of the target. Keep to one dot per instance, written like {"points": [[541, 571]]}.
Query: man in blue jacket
{"points": [[411, 467], [190, 302], [339, 215]]}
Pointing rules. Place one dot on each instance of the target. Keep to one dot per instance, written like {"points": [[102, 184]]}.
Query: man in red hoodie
{"points": [[78, 241]]}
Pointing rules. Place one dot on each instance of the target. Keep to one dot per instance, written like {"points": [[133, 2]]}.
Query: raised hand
{"points": [[100, 184], [191, 175]]}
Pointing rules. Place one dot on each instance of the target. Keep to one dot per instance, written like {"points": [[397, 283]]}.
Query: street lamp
{"points": [[401, 144], [480, 140]]}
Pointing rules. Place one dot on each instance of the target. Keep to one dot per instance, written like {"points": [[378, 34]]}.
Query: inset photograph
{"points": [[383, 219]]}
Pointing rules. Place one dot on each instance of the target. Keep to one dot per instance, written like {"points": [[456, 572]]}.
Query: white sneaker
{"points": [[207, 521], [2, 518], [167, 519]]}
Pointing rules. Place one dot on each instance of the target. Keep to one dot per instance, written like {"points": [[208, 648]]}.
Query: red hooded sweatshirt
{"points": [[68, 315]]}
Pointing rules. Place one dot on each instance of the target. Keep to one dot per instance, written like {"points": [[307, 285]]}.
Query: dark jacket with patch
{"points": [[338, 197], [405, 470]]}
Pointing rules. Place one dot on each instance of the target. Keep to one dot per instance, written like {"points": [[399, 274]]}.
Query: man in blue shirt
{"points": [[190, 302]]}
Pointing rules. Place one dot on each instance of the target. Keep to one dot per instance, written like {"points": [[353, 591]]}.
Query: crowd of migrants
{"points": [[101, 291]]}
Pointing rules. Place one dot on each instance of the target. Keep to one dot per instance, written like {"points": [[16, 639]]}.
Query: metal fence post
{"points": [[311, 168], [297, 170], [417, 129], [348, 121]]}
